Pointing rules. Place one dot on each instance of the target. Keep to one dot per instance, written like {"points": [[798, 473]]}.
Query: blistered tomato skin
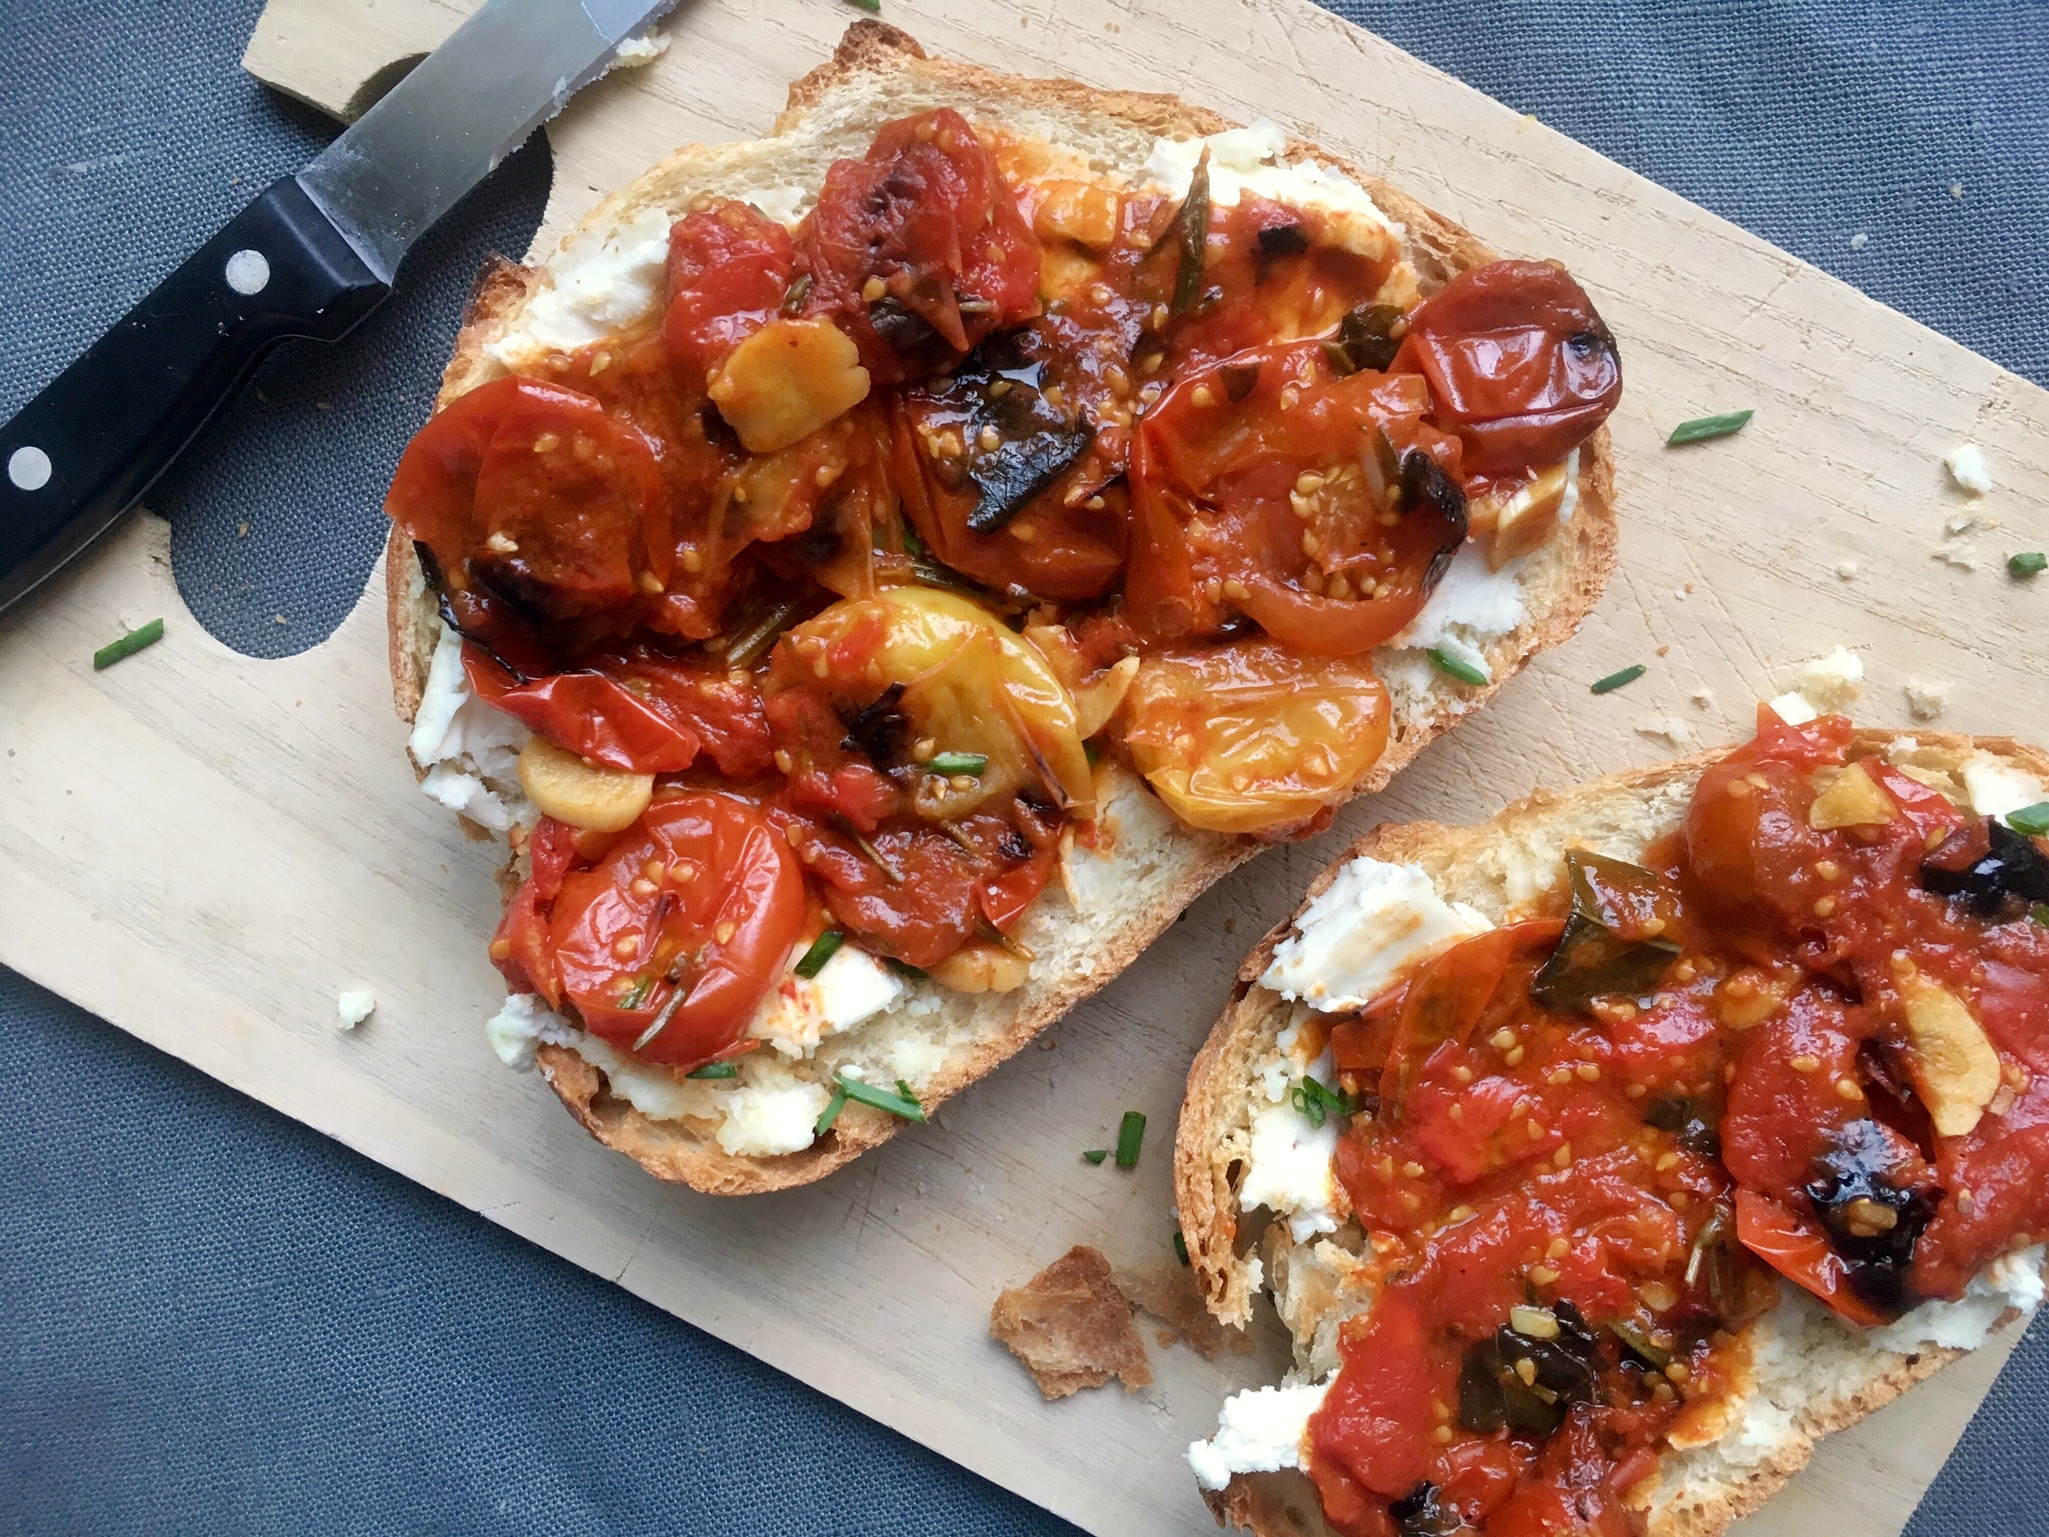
{"points": [[729, 272], [689, 919], [1593, 1197]]}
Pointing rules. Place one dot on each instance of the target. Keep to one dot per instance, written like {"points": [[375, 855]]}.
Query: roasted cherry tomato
{"points": [[1323, 508], [537, 492], [520, 947], [687, 922], [1799, 1251], [729, 273], [639, 712], [1520, 365], [1250, 737], [918, 249]]}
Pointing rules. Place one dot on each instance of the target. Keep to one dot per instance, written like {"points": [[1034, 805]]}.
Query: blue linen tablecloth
{"points": [[214, 1320]]}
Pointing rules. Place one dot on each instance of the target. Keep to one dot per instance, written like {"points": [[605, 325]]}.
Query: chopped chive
{"points": [[823, 949], [831, 1113], [872, 7], [2040, 913], [1091, 751], [2027, 563], [134, 641], [1095, 1155], [903, 1104], [1180, 1247], [715, 1070], [1701, 428], [1453, 667], [2032, 820], [951, 763], [635, 997], [1615, 680], [1318, 1103], [905, 968], [1129, 1136], [798, 291]]}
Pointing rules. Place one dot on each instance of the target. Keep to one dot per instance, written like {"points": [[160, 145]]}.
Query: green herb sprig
{"points": [[140, 638], [1702, 428]]}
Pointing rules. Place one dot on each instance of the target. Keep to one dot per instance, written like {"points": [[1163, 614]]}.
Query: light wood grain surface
{"points": [[203, 848]]}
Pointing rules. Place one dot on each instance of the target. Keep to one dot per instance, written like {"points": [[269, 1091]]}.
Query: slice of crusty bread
{"points": [[877, 74], [1809, 1375]]}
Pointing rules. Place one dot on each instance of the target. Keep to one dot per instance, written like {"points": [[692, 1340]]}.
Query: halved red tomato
{"points": [[1520, 365], [927, 216], [535, 491], [729, 271], [1799, 1251], [1322, 508], [687, 923]]}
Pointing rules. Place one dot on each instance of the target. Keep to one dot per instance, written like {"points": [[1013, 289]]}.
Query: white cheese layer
{"points": [[2011, 1281], [469, 750], [851, 987], [1262, 1430], [1288, 1169], [1997, 788], [1371, 922], [1249, 162]]}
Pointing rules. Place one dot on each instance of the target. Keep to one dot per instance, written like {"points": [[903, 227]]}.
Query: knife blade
{"points": [[310, 257]]}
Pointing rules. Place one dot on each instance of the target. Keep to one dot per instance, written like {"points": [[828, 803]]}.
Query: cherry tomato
{"points": [[520, 947], [1322, 508], [1445, 997], [535, 491], [1520, 365], [639, 711], [1250, 737], [1374, 1424], [930, 219], [1799, 1251], [689, 918], [729, 272]]}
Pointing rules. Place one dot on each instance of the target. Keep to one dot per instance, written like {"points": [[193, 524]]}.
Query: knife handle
{"points": [[79, 455]]}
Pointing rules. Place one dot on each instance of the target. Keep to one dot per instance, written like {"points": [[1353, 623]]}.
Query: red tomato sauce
{"points": [[1161, 428], [1587, 1142]]}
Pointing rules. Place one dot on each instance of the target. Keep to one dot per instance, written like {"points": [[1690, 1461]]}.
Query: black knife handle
{"points": [[79, 454]]}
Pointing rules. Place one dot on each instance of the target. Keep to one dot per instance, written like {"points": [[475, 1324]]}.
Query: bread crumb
{"points": [[1668, 727], [1859, 241], [354, 1006], [636, 51], [1832, 683], [1847, 570], [1704, 697], [1170, 1294], [1967, 467], [1956, 190], [1927, 699], [1664, 651], [1072, 1328]]}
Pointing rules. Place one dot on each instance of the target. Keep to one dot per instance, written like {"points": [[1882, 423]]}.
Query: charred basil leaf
{"points": [[1281, 240], [1424, 484], [1364, 340], [1525, 1383], [997, 399], [1988, 874], [1613, 945], [1189, 234], [1872, 1220], [1423, 1513], [909, 335], [1685, 1120], [879, 728]]}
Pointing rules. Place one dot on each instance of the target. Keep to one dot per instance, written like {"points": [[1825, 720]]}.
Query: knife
{"points": [[310, 257]]}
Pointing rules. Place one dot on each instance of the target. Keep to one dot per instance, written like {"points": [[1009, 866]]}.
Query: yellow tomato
{"points": [[1251, 737], [970, 686]]}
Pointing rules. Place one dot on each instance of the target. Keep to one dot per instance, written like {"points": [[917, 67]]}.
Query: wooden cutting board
{"points": [[204, 848]]}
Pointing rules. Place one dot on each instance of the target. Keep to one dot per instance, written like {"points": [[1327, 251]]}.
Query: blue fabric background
{"points": [[212, 1319]]}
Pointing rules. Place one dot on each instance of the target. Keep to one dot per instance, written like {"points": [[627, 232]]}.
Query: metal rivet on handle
{"points": [[248, 272], [29, 468]]}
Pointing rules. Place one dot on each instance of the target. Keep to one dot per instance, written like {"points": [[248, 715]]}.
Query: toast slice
{"points": [[1808, 1374], [1115, 899]]}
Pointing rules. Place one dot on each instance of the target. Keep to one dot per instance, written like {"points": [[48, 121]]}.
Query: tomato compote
{"points": [[893, 520], [1806, 1037]]}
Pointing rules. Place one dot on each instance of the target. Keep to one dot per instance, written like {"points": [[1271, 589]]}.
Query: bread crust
{"points": [[875, 58], [1276, 1505]]}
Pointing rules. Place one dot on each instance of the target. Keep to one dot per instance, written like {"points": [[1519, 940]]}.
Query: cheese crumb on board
{"points": [[1967, 467], [1666, 728], [354, 1006], [1928, 698], [636, 51]]}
